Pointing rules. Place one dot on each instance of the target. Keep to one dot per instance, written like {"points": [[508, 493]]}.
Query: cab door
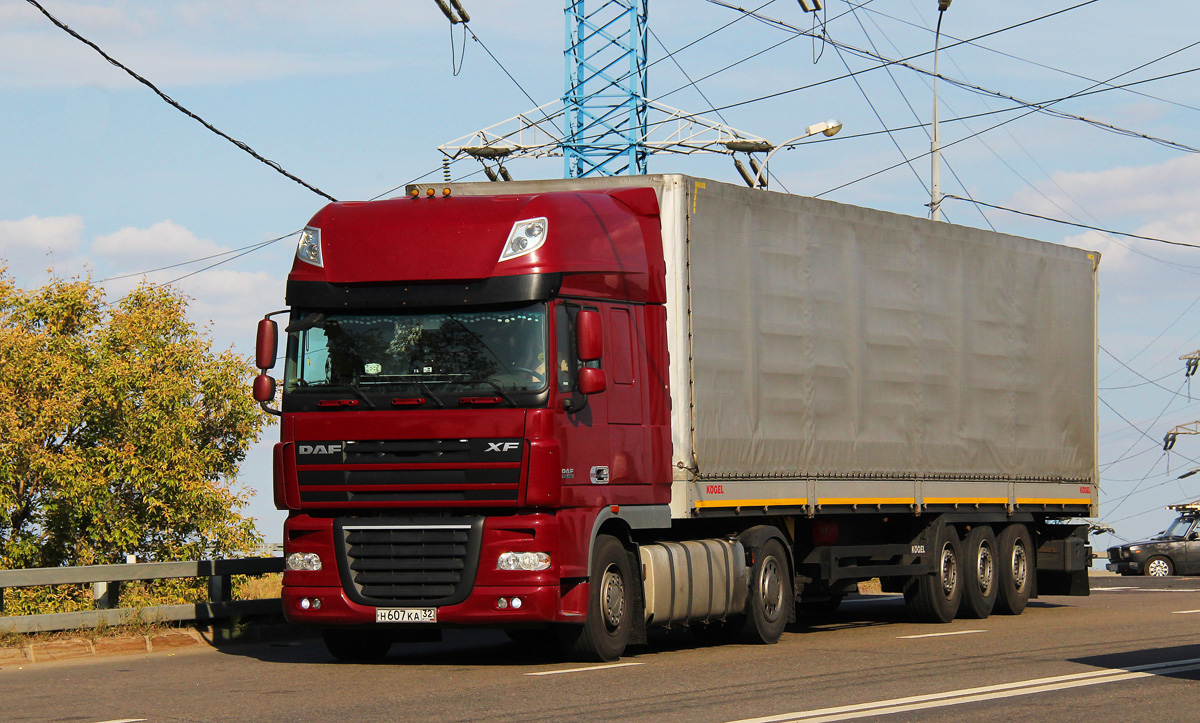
{"points": [[582, 421]]}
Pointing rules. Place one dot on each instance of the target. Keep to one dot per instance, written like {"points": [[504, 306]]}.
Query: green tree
{"points": [[121, 429]]}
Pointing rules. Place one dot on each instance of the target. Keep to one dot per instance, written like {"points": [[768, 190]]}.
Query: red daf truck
{"points": [[579, 409]]}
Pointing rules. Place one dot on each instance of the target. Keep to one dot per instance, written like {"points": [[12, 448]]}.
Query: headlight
{"points": [[303, 561], [308, 249], [529, 561], [526, 237]]}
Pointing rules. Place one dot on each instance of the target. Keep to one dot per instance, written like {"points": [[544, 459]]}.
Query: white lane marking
{"points": [[1185, 612], [972, 695], [1112, 589], [124, 720], [584, 670], [939, 635], [1140, 589]]}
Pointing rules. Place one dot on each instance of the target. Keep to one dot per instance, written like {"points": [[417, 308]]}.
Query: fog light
{"points": [[516, 603], [305, 603], [316, 603], [501, 603], [303, 561], [528, 561]]}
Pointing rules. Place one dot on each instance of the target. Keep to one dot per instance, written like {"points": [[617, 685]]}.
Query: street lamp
{"points": [[935, 154], [829, 128]]}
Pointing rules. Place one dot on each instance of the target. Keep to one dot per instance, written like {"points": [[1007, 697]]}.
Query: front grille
{"points": [[409, 562], [425, 471], [1114, 554]]}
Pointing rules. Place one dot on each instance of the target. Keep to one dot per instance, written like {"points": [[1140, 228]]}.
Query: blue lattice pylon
{"points": [[605, 100]]}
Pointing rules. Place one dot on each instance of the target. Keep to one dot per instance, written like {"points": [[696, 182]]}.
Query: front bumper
{"points": [[1125, 567], [538, 605], [558, 594]]}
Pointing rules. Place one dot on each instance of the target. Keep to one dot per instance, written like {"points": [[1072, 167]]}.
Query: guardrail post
{"points": [[106, 595], [1, 599], [219, 588]]}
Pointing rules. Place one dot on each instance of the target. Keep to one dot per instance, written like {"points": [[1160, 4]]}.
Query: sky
{"points": [[104, 179]]}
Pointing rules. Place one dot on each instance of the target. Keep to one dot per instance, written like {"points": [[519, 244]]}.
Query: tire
{"points": [[356, 646], [1017, 568], [1158, 566], [770, 596], [936, 598], [980, 583], [605, 633]]}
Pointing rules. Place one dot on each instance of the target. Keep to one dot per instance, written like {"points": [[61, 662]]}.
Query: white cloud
{"points": [[164, 241], [31, 246]]}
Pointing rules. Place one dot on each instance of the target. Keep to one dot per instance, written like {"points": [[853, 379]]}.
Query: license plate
{"points": [[406, 615]]}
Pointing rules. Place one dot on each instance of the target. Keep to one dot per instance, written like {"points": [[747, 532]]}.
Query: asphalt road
{"points": [[1130, 652]]}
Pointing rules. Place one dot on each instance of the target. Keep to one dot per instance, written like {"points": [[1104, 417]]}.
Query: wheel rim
{"points": [[770, 588], [1020, 565], [949, 571], [612, 597], [985, 569], [1158, 568]]}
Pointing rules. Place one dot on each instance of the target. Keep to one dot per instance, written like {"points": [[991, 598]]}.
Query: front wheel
{"points": [[605, 633], [1159, 566], [770, 595]]}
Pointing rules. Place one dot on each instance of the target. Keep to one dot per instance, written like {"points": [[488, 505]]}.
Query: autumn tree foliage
{"points": [[121, 429]]}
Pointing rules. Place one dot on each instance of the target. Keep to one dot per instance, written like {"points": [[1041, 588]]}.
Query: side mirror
{"points": [[1194, 535], [592, 381], [264, 389], [589, 341], [266, 347]]}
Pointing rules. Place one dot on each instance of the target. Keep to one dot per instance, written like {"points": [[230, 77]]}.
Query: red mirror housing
{"points": [[592, 381], [264, 388], [266, 346], [589, 340]]}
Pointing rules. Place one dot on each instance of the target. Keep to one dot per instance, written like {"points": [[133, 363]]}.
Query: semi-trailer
{"points": [[580, 409]]}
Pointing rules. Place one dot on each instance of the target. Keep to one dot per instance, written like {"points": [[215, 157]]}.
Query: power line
{"points": [[248, 248], [1074, 223], [176, 105]]}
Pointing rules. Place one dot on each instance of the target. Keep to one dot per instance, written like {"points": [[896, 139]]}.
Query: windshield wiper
{"points": [[427, 392], [350, 387], [499, 390], [306, 323]]}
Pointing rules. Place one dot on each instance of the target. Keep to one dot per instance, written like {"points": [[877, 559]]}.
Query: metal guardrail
{"points": [[106, 580]]}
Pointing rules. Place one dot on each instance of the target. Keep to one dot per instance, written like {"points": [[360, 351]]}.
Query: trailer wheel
{"points": [[980, 563], [770, 595], [356, 646], [605, 633], [936, 598], [1018, 570], [1159, 566]]}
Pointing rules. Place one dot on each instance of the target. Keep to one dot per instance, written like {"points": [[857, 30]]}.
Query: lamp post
{"points": [[829, 128], [935, 155]]}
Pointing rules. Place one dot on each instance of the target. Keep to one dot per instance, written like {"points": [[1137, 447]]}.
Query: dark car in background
{"points": [[1174, 551]]}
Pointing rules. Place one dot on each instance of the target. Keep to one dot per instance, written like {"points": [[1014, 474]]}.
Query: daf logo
{"points": [[502, 446], [320, 449]]}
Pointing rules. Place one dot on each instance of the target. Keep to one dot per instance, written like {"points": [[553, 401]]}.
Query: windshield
{"points": [[1178, 528], [419, 354]]}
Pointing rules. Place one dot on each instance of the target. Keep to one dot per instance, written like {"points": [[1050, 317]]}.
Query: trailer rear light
{"points": [[528, 561], [526, 237], [303, 562], [308, 249]]}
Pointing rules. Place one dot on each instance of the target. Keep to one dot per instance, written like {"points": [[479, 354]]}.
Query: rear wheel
{"points": [[935, 598], [1017, 570], [356, 646], [770, 595], [605, 634], [980, 586], [1159, 566]]}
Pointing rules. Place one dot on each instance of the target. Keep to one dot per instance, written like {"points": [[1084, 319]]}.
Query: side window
{"points": [[566, 363]]}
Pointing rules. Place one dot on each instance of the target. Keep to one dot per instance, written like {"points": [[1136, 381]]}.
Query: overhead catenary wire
{"points": [[176, 105]]}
